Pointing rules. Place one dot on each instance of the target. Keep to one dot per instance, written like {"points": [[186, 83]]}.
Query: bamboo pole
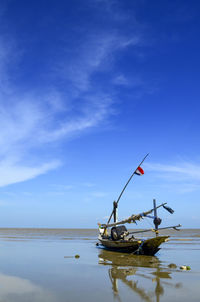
{"points": [[153, 230], [132, 218], [124, 188]]}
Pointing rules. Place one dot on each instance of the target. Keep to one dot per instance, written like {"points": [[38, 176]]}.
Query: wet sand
{"points": [[40, 265]]}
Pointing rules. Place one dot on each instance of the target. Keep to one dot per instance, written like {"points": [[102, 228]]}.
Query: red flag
{"points": [[139, 171]]}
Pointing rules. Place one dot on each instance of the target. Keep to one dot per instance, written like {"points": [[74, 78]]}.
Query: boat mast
{"points": [[115, 212], [157, 220], [115, 203], [130, 178]]}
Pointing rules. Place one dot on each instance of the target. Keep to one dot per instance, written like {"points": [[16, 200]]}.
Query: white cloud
{"points": [[13, 173], [6, 58], [183, 170], [27, 123], [132, 82], [96, 54], [31, 120], [121, 80], [95, 109], [88, 184], [26, 126], [98, 194], [182, 177]]}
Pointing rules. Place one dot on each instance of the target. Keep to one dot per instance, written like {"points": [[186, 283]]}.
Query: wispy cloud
{"points": [[183, 176], [95, 54], [28, 122], [31, 119], [6, 60], [181, 170], [122, 80], [28, 125], [98, 194], [13, 173]]}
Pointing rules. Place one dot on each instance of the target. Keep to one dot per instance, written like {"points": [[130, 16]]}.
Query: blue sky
{"points": [[87, 88]]}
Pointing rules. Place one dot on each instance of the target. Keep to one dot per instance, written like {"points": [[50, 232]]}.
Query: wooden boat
{"points": [[121, 240], [136, 246]]}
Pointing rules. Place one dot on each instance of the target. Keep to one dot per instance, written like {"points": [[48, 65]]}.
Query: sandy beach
{"points": [[40, 265]]}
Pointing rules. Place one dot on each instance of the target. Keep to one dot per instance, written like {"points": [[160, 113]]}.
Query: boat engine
{"points": [[119, 232]]}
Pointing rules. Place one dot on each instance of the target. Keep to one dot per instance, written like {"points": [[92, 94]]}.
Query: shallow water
{"points": [[40, 265]]}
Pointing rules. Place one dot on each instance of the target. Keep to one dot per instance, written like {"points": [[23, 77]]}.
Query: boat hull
{"points": [[139, 247]]}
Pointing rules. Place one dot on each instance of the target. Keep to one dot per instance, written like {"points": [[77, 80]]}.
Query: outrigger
{"points": [[121, 240]]}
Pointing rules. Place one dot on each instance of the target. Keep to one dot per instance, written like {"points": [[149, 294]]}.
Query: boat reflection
{"points": [[130, 270]]}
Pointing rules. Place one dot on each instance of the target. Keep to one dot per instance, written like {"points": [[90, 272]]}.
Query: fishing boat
{"points": [[115, 236]]}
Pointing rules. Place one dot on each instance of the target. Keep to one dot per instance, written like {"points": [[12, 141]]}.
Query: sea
{"points": [[66, 265]]}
